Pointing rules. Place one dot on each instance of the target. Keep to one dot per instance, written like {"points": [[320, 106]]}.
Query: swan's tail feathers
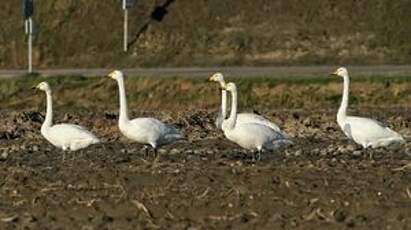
{"points": [[173, 134], [285, 135], [176, 136], [399, 140], [396, 138], [83, 143], [281, 143], [95, 140]]}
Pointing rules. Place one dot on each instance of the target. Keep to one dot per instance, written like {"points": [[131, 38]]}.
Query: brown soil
{"points": [[323, 182]]}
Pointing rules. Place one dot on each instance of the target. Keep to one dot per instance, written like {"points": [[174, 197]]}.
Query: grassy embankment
{"points": [[74, 93]]}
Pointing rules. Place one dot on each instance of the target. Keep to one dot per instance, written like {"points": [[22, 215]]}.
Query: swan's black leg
{"points": [[145, 152], [253, 159], [370, 153], [258, 155], [155, 153], [63, 159]]}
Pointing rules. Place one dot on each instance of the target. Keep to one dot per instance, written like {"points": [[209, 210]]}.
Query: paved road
{"points": [[278, 71]]}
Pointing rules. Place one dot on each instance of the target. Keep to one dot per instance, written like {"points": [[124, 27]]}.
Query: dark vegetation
{"points": [[86, 33]]}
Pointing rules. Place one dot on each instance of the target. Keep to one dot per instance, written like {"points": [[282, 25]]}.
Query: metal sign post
{"points": [[125, 29], [30, 48], [28, 10], [126, 5]]}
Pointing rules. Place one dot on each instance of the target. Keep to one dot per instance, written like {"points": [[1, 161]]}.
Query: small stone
{"points": [[4, 155], [340, 215], [35, 148], [174, 151], [340, 149], [210, 152], [163, 151], [357, 153], [192, 228], [298, 153], [351, 148], [197, 152], [323, 152]]}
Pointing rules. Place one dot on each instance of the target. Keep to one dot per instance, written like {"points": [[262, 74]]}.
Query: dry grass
{"points": [[174, 94]]}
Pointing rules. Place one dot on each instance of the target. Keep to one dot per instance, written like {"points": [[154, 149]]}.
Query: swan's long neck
{"points": [[123, 101], [223, 109], [342, 111], [233, 115], [48, 121], [223, 103]]}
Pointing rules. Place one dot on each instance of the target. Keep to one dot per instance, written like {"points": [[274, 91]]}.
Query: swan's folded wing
{"points": [[255, 118], [369, 128], [164, 133], [68, 132]]}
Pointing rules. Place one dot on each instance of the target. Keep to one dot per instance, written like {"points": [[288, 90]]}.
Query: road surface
{"points": [[277, 71]]}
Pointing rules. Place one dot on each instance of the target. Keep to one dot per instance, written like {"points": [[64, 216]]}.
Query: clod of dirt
{"points": [[4, 156], [340, 215]]}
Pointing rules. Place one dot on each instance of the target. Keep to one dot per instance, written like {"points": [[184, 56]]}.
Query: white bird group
{"points": [[248, 130]]}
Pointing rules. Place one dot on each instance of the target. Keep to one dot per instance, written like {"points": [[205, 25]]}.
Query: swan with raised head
{"points": [[144, 130], [241, 117], [251, 136], [364, 131], [64, 136]]}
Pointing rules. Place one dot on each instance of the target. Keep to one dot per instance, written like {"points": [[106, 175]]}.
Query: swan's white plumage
{"points": [[369, 133], [64, 136], [364, 131], [251, 136], [150, 131], [145, 130], [69, 137], [241, 117]]}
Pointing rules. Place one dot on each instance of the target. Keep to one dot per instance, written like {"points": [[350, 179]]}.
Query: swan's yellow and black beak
{"points": [[333, 73], [35, 88], [110, 75]]}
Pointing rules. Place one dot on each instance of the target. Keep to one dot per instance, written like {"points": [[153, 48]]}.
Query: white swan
{"points": [[241, 117], [364, 131], [251, 136], [64, 136], [144, 130]]}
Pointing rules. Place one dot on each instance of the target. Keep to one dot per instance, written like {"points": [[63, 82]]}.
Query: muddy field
{"points": [[324, 181]]}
